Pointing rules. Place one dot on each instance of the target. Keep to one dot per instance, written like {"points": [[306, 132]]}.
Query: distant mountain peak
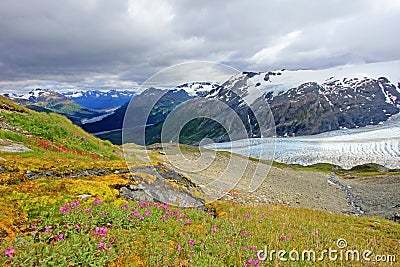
{"points": [[197, 88], [101, 99]]}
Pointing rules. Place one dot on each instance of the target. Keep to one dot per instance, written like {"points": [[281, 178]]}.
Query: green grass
{"points": [[151, 234], [16, 137], [56, 129]]}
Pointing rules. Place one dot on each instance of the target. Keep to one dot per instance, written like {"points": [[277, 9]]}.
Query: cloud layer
{"points": [[87, 44]]}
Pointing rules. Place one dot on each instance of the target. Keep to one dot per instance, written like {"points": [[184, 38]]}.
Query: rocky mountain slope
{"points": [[312, 102], [141, 112]]}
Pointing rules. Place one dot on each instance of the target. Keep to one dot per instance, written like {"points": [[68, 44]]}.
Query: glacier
{"points": [[346, 148]]}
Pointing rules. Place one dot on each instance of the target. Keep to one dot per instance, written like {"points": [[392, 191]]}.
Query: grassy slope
{"points": [[154, 240], [58, 147]]}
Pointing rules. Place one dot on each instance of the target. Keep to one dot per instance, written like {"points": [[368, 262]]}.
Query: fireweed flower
{"points": [[143, 204], [97, 201], [101, 246], [64, 209], [139, 216], [124, 207], [191, 242], [59, 237], [75, 203], [9, 252], [214, 228], [188, 221], [101, 231], [47, 228], [253, 262], [179, 247], [147, 212]]}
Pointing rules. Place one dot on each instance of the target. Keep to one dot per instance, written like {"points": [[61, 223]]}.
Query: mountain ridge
{"points": [[46, 100]]}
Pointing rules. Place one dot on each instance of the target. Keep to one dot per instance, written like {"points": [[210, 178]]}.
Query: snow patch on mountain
{"points": [[280, 81], [32, 95], [197, 88]]}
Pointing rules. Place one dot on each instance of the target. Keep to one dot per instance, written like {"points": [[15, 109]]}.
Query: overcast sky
{"points": [[88, 44]]}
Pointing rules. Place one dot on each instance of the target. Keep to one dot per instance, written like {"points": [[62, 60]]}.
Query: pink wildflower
{"points": [[98, 201], [64, 209], [59, 237], [101, 231], [143, 204], [139, 216], [9, 252], [75, 203], [101, 246], [253, 262]]}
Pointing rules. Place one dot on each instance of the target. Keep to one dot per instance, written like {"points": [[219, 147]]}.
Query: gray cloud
{"points": [[99, 43]]}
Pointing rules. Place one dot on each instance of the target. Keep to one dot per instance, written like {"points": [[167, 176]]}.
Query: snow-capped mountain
{"points": [[50, 101], [37, 95], [100, 100], [197, 88], [249, 85], [311, 102]]}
